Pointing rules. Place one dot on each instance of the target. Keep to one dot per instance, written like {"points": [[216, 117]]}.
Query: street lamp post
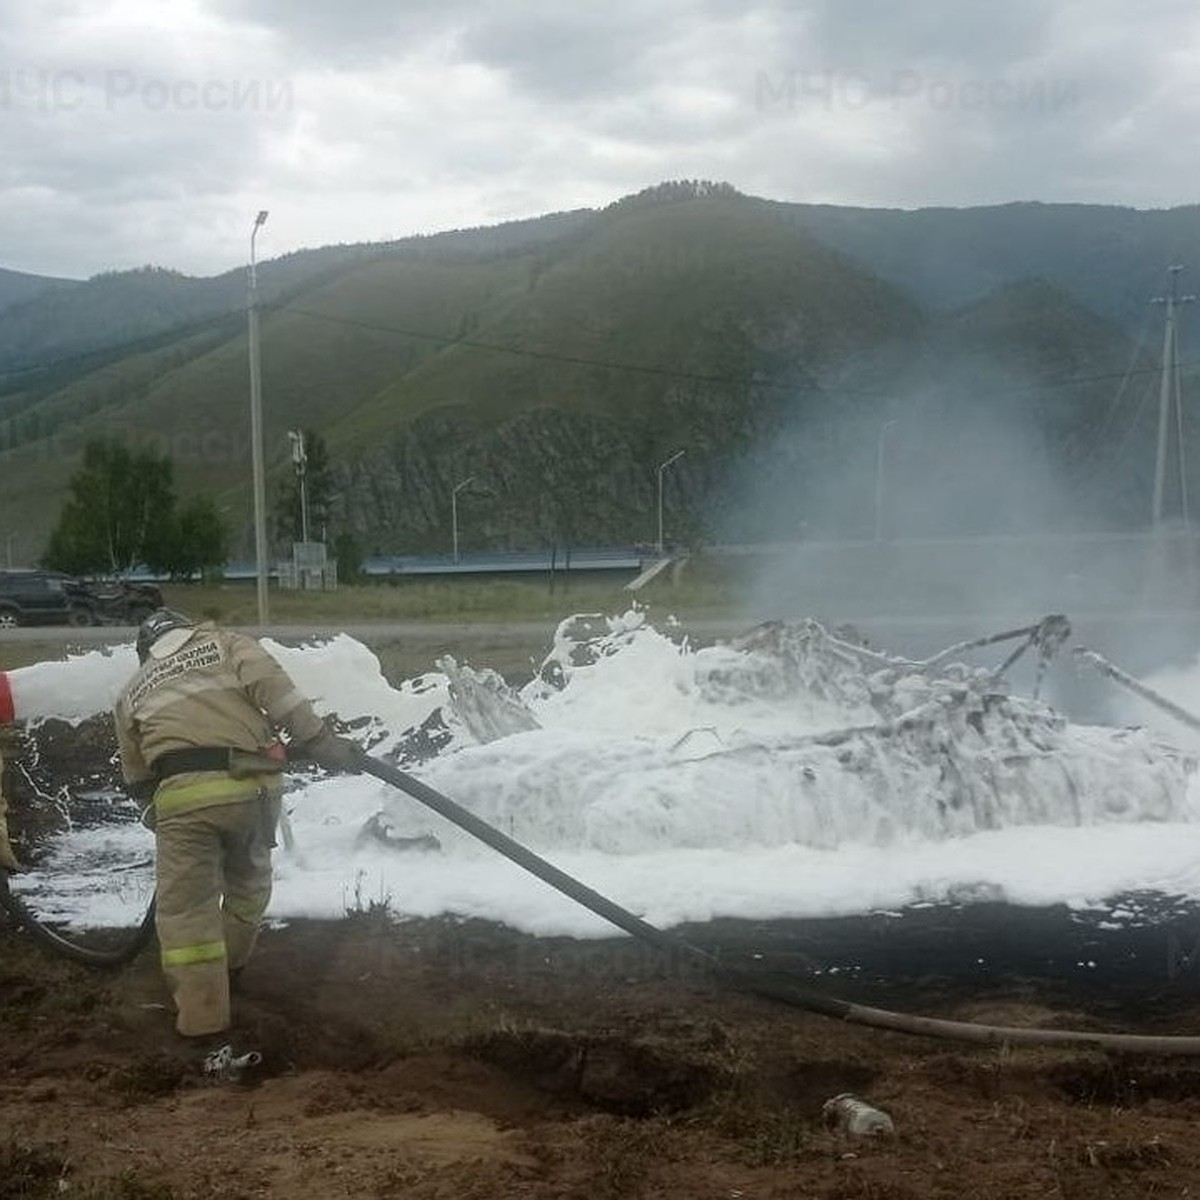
{"points": [[661, 468], [879, 465], [256, 431], [454, 512]]}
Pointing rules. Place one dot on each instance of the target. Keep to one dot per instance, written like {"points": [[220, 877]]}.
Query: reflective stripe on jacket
{"points": [[182, 793]]}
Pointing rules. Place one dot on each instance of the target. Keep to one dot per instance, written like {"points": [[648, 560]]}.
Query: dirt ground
{"points": [[444, 1059], [451, 1060]]}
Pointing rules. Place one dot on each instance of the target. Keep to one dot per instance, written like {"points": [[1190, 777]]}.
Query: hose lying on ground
{"points": [[123, 950], [780, 990]]}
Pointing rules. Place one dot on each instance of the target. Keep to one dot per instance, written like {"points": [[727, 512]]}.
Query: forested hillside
{"points": [[17, 287], [557, 362]]}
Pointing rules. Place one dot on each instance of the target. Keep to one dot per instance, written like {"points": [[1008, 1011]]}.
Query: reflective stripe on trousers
{"points": [[186, 956]]}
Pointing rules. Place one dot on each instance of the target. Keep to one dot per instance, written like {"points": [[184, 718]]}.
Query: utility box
{"points": [[309, 569]]}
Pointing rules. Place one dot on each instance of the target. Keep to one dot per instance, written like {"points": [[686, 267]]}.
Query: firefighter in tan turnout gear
{"points": [[8, 860], [196, 727]]}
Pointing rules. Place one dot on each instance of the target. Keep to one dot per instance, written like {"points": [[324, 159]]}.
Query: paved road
{"points": [[940, 628], [112, 635], [1141, 643]]}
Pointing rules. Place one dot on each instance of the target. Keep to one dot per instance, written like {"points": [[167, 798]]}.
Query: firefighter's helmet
{"points": [[161, 621]]}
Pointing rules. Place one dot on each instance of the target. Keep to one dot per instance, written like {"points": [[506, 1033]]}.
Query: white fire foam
{"points": [[680, 780]]}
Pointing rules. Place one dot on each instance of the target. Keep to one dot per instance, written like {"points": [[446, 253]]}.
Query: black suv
{"points": [[41, 598]]}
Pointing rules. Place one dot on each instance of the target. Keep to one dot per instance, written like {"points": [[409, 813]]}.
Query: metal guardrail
{"points": [[619, 558], [1063, 551], [503, 561]]}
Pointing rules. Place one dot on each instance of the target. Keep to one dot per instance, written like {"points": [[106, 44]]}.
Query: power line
{"points": [[147, 344], [647, 369], [1138, 413], [670, 372], [1105, 425], [541, 355]]}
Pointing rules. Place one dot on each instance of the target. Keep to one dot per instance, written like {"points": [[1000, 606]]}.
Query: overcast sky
{"points": [[152, 131]]}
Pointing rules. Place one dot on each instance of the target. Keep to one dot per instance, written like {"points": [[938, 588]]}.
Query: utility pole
{"points": [[880, 447], [458, 487], [661, 468], [256, 433], [1169, 385], [300, 459]]}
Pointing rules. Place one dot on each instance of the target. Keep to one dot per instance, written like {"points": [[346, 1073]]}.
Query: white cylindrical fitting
{"points": [[70, 690], [857, 1117]]}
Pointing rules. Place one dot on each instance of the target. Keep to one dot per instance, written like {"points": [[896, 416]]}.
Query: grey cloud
{"points": [[876, 33], [424, 114], [571, 53], [355, 34], [548, 49], [1057, 102]]}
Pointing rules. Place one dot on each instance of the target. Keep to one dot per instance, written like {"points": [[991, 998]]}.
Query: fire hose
{"points": [[782, 991], [753, 982], [123, 949]]}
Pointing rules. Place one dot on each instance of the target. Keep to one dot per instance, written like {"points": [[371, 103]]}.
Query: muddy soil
{"points": [[461, 1059]]}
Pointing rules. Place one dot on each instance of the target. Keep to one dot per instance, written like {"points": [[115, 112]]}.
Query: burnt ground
{"points": [[459, 1059]]}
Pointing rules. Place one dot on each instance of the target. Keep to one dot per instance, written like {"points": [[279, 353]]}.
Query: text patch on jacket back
{"points": [[196, 655]]}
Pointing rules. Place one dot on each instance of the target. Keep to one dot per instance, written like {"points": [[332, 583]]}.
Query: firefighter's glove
{"points": [[142, 791], [8, 860], [334, 753]]}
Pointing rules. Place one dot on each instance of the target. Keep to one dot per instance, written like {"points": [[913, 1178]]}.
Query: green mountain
{"points": [[54, 322], [557, 362], [1109, 259], [16, 287]]}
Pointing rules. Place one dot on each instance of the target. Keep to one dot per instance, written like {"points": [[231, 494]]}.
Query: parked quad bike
{"points": [[114, 603]]}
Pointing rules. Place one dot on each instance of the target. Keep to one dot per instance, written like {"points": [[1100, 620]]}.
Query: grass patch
{"points": [[760, 1134], [126, 1186], [30, 1172], [505, 624], [147, 1076], [622, 1156], [36, 988], [700, 588]]}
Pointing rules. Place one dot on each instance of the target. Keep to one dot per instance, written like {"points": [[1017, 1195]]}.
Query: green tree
{"points": [[119, 512], [122, 512], [197, 540], [349, 554]]}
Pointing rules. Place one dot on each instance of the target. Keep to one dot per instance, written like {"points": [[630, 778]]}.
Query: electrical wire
{"points": [[579, 360], [447, 340], [1177, 385], [1101, 436]]}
